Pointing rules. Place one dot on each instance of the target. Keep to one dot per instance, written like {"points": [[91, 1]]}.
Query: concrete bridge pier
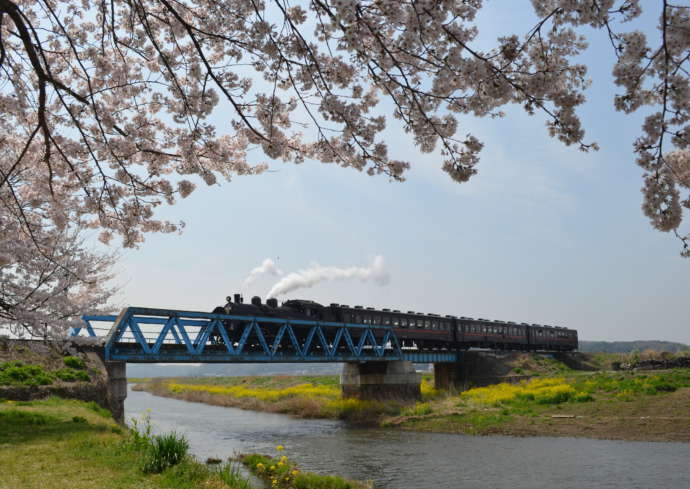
{"points": [[381, 380], [116, 385], [475, 369]]}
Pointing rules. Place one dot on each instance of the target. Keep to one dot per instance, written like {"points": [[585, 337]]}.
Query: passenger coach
{"points": [[413, 329]]}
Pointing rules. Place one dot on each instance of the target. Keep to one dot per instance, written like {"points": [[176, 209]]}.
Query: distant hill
{"points": [[629, 346]]}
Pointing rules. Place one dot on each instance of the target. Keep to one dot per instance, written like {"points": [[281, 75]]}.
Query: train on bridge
{"points": [[413, 329]]}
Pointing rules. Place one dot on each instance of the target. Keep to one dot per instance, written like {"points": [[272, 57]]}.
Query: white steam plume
{"points": [[311, 276], [267, 267]]}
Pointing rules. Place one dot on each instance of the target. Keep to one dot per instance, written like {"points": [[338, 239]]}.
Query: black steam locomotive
{"points": [[413, 329]]}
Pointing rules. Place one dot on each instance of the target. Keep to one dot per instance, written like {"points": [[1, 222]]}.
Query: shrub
{"points": [[74, 362], [79, 420], [71, 375], [165, 451], [15, 373]]}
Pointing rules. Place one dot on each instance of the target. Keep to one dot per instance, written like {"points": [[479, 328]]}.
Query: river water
{"points": [[406, 460]]}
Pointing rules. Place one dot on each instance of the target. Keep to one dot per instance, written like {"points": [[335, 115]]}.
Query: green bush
{"points": [[165, 451], [15, 373], [79, 420], [71, 375], [74, 362]]}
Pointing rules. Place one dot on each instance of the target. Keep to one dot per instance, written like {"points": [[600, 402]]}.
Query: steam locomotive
{"points": [[413, 329]]}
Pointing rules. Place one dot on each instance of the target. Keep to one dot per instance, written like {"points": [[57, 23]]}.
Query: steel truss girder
{"points": [[184, 336]]}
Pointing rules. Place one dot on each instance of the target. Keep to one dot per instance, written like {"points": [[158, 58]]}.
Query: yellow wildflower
{"points": [[280, 448], [295, 472]]}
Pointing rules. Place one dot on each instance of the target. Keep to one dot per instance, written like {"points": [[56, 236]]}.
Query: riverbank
{"points": [[632, 406], [624, 405], [299, 396], [57, 443]]}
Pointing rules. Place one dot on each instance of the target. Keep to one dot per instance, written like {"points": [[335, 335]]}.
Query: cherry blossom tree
{"points": [[114, 104], [48, 278]]}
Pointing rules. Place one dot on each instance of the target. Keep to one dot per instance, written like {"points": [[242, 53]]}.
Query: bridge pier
{"points": [[116, 385], [476, 369], [381, 380]]}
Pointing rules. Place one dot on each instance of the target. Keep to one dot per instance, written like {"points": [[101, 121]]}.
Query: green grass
{"points": [[18, 374], [231, 474], [632, 384], [507, 408], [164, 451], [74, 362], [58, 443]]}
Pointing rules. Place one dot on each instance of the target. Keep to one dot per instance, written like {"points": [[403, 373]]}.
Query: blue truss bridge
{"points": [[146, 335]]}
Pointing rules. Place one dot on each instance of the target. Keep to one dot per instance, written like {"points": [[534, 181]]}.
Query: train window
{"points": [[427, 324], [403, 322], [396, 321], [412, 323], [386, 320], [446, 326]]}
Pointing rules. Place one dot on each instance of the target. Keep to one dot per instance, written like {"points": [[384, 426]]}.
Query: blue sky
{"points": [[544, 233]]}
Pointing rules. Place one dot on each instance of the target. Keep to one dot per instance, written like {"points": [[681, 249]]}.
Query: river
{"points": [[407, 460]]}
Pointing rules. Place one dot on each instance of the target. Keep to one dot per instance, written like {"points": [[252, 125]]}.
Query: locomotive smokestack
{"points": [[256, 300], [273, 302], [238, 299]]}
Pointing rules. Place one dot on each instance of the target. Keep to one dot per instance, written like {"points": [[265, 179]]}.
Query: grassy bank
{"points": [[58, 443], [558, 401], [303, 396], [651, 406]]}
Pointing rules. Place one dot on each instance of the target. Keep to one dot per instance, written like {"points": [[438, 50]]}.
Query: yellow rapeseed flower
{"points": [[280, 448]]}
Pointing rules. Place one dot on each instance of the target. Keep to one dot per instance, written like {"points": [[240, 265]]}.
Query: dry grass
{"points": [[305, 397]]}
